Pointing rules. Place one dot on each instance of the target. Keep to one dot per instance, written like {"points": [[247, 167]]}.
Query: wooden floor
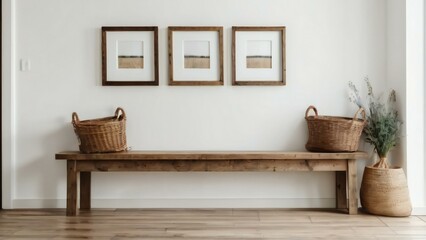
{"points": [[206, 224]]}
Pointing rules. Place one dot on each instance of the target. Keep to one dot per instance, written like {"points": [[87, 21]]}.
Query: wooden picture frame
{"points": [[130, 56], [195, 56], [258, 56]]}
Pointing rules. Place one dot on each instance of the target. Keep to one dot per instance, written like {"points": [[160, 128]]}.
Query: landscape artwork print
{"points": [[197, 54], [259, 54], [130, 54]]}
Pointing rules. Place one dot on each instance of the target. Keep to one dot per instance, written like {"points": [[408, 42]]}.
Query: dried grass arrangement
{"points": [[383, 124], [384, 189]]}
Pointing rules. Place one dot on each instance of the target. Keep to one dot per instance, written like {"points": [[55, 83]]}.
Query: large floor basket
{"points": [[101, 135], [334, 134]]}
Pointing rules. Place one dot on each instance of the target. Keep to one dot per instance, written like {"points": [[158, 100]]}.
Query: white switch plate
{"points": [[25, 65]]}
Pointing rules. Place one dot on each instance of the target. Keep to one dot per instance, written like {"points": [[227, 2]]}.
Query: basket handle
{"points": [[75, 118], [362, 112], [118, 114], [313, 108]]}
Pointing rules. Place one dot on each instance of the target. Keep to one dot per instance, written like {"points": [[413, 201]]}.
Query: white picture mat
{"points": [[114, 73], [258, 74], [180, 73]]}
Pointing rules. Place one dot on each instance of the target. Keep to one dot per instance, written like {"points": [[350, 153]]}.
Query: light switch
{"points": [[25, 65]]}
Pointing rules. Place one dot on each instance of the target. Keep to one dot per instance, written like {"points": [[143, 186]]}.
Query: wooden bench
{"points": [[344, 164]]}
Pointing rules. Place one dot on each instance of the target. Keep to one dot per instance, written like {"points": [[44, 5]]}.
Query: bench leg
{"points": [[71, 188], [352, 188], [341, 200], [85, 182]]}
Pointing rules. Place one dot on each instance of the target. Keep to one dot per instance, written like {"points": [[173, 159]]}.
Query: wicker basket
{"points": [[334, 134], [102, 134], [384, 191]]}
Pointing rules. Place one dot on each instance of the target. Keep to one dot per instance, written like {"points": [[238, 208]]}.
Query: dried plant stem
{"points": [[382, 163]]}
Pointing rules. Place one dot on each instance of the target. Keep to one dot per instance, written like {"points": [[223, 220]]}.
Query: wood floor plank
{"points": [[410, 230], [366, 231], [399, 237], [353, 221], [251, 224], [284, 219], [401, 222]]}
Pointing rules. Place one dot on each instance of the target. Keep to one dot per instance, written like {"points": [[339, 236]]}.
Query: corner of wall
{"points": [[396, 70], [415, 92], [8, 103]]}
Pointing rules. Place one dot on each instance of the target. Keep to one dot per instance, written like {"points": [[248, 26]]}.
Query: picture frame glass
{"points": [[258, 55], [196, 56], [130, 56]]}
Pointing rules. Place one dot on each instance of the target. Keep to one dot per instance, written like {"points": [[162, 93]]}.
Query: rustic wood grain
{"points": [[341, 199], [208, 155], [71, 188], [251, 224], [212, 165], [235, 80], [187, 161], [105, 82], [104, 57], [283, 56], [85, 190], [352, 186], [233, 57], [173, 82], [170, 48]]}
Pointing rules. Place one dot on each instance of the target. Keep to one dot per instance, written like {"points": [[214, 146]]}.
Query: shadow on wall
{"points": [[300, 131], [397, 158], [43, 176]]}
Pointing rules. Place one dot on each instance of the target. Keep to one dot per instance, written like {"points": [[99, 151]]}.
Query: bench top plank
{"points": [[208, 155]]}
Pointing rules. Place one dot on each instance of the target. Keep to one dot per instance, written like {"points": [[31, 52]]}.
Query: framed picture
{"points": [[129, 56], [258, 56], [195, 56]]}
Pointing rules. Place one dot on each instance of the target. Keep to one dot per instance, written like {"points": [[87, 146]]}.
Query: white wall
{"points": [[396, 71], [8, 101], [421, 209], [329, 43], [415, 113]]}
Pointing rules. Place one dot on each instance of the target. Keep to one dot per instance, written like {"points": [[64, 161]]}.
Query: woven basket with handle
{"points": [[334, 134], [102, 134]]}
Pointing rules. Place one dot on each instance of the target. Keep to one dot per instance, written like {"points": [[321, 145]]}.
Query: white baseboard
{"points": [[194, 203], [185, 203]]}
